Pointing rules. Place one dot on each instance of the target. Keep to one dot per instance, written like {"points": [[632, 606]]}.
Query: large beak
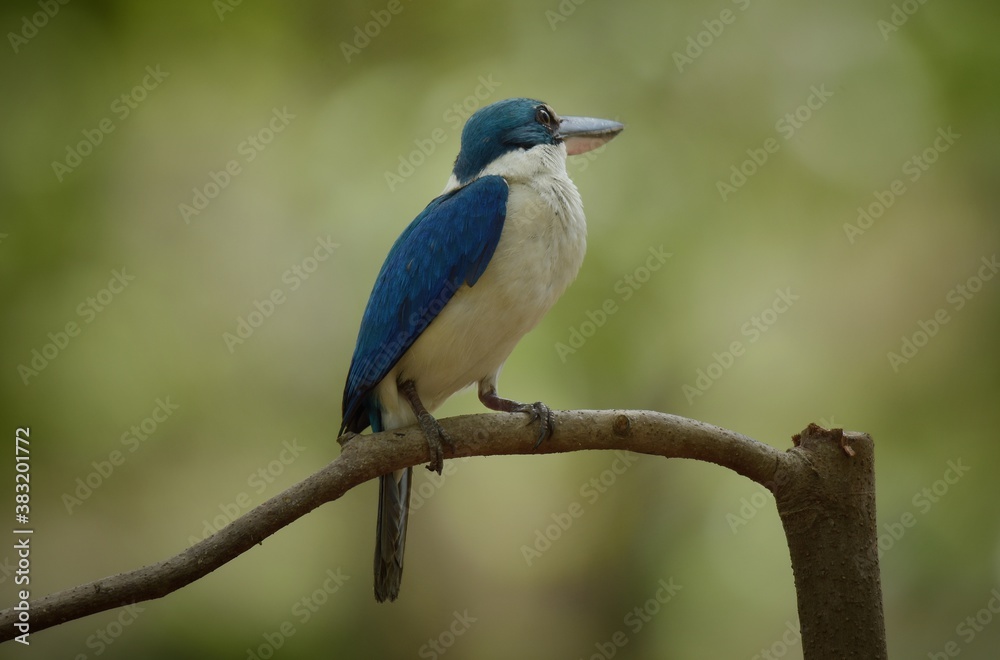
{"points": [[581, 134]]}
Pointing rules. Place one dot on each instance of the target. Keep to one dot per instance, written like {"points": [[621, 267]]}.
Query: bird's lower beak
{"points": [[581, 134]]}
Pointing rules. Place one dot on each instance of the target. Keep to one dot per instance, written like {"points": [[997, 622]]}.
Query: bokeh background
{"points": [[318, 121]]}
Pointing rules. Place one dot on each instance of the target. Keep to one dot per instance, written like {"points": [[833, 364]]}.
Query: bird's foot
{"points": [[433, 433], [541, 413], [537, 411], [436, 439]]}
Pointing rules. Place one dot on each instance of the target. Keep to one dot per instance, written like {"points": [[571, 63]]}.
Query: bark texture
{"points": [[826, 500]]}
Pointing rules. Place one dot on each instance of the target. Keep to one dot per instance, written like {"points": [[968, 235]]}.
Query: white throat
{"points": [[523, 165]]}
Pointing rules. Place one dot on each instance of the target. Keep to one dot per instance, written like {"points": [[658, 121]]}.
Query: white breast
{"points": [[539, 254]]}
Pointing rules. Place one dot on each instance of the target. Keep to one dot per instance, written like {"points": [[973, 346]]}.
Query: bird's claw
{"points": [[436, 439], [541, 413]]}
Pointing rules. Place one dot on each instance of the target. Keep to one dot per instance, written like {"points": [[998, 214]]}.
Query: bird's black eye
{"points": [[544, 116]]}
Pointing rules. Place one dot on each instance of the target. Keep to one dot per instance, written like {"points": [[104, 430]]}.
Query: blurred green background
{"points": [[310, 128]]}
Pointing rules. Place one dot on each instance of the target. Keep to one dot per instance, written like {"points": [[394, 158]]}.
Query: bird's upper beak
{"points": [[581, 134]]}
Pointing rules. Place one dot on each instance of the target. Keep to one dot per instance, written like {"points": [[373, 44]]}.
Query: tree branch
{"points": [[825, 494], [366, 457]]}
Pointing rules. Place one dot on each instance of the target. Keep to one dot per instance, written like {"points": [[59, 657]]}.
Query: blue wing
{"points": [[449, 244]]}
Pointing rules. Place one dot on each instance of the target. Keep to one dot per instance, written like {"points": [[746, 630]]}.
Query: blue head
{"points": [[523, 124]]}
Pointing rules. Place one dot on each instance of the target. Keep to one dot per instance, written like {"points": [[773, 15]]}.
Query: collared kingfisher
{"points": [[470, 276]]}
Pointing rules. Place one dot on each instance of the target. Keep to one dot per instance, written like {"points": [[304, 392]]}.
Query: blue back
{"points": [[449, 244]]}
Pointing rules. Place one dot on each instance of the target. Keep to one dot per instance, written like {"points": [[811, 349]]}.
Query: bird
{"points": [[473, 273]]}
